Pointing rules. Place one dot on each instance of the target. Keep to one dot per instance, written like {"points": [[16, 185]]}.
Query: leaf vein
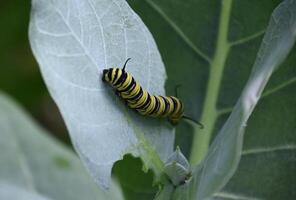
{"points": [[74, 34], [179, 31], [279, 87], [269, 149], [101, 30], [267, 93], [234, 196], [247, 38]]}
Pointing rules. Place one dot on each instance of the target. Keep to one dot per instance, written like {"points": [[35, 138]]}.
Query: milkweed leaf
{"points": [[73, 41]]}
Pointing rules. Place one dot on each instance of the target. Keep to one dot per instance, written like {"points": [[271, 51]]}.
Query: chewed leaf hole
{"points": [[133, 179]]}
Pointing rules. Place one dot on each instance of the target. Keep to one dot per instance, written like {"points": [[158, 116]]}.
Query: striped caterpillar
{"points": [[137, 98]]}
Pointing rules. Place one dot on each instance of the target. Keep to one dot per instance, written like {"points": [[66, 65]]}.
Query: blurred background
{"points": [[19, 73]]}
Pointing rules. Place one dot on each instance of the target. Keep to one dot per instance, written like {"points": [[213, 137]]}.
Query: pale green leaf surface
{"points": [[73, 42], [178, 157], [177, 168], [9, 192], [32, 163], [176, 173]]}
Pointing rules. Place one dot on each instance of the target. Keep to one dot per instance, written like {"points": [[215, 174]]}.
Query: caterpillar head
{"points": [[113, 76], [107, 75]]}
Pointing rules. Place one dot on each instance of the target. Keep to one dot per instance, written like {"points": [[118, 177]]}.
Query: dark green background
{"points": [[19, 73]]}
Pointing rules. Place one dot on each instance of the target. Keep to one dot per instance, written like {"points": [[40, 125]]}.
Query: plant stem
{"points": [[202, 138]]}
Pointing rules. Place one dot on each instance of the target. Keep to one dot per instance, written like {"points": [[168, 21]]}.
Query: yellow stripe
{"points": [[118, 75], [171, 103], [179, 108], [134, 92], [126, 83], [151, 105], [107, 77], [113, 75], [160, 107], [141, 101], [169, 107]]}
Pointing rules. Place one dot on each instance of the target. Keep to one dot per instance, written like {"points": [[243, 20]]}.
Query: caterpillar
{"points": [[137, 98]]}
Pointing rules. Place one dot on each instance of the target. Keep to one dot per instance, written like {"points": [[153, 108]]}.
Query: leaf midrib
{"points": [[202, 138]]}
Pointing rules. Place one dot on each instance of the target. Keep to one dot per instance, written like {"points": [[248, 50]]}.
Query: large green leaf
{"points": [[225, 151], [230, 60], [35, 166], [73, 42]]}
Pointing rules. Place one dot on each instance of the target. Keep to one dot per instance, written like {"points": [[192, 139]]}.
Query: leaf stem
{"points": [[202, 138]]}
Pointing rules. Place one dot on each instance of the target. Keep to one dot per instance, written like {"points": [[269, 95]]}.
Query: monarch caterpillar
{"points": [[139, 99]]}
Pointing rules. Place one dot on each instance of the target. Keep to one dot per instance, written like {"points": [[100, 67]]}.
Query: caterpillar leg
{"points": [[117, 93]]}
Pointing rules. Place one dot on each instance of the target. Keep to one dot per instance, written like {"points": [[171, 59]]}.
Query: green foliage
{"points": [[19, 74], [134, 182], [265, 131]]}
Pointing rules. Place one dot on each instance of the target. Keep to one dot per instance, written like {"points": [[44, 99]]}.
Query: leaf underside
{"points": [[73, 41]]}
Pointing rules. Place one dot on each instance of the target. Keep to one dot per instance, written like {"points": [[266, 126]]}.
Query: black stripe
{"points": [[116, 74], [156, 106], [137, 96], [175, 104], [130, 86], [146, 103], [110, 74], [121, 78], [167, 105], [133, 86]]}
